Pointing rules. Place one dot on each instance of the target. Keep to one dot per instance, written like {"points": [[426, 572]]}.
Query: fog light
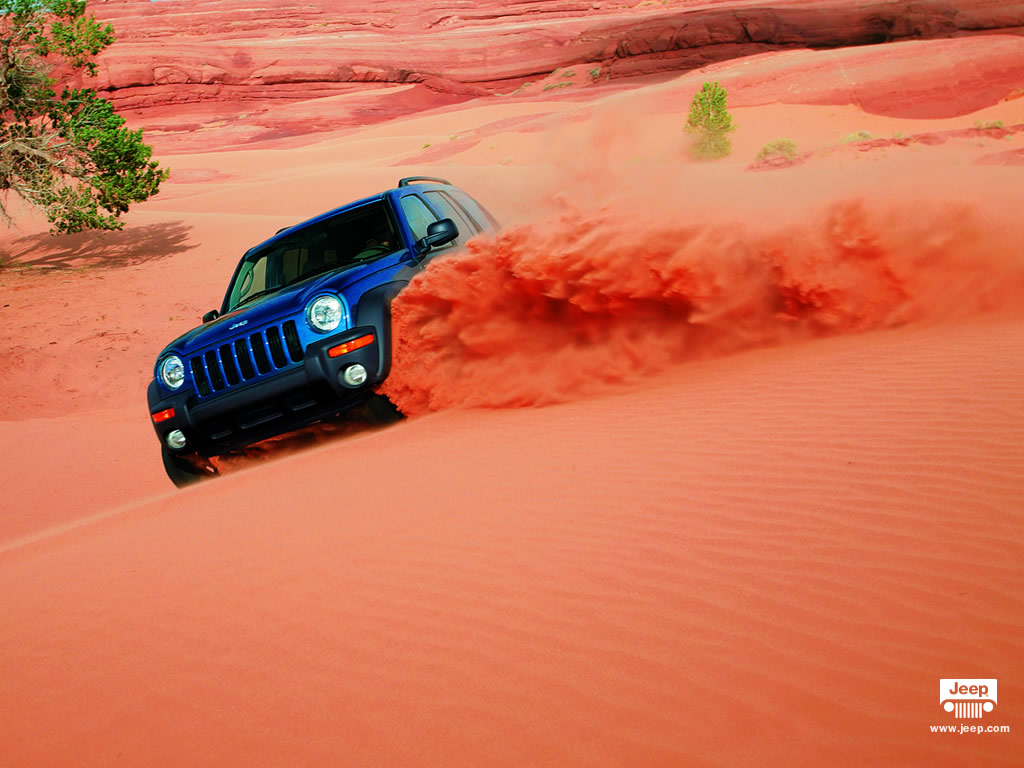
{"points": [[175, 440], [354, 375]]}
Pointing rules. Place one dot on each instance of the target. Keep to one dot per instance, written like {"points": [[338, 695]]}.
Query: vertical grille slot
{"points": [[244, 362], [199, 376], [259, 352], [216, 377], [291, 338], [227, 361], [276, 347]]}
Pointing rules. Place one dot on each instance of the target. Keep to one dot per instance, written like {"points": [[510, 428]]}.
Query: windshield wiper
{"points": [[252, 296]]}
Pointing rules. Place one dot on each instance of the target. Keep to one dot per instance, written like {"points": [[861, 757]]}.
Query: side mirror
{"points": [[210, 316], [438, 233]]}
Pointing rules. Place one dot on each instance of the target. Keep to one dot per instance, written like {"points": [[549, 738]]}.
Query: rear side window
{"points": [[449, 210], [418, 215], [480, 214]]}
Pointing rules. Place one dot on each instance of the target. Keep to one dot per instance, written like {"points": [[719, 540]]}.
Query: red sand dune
{"points": [[769, 558], [773, 494]]}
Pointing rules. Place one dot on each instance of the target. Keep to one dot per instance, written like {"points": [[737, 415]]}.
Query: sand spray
{"points": [[596, 295]]}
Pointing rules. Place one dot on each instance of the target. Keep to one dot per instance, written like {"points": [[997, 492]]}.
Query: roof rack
{"points": [[410, 179]]}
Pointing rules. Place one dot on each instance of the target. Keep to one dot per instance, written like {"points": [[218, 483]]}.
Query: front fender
{"points": [[374, 308]]}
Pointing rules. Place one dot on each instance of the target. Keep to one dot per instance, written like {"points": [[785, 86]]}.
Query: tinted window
{"points": [[480, 214], [418, 214], [355, 236], [449, 210]]}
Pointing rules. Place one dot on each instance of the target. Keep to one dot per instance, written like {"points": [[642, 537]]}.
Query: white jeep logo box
{"points": [[966, 697]]}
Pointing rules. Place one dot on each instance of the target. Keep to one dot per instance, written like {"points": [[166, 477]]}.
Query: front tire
{"points": [[185, 470]]}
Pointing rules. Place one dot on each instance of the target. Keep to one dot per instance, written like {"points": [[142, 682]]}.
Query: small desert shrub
{"points": [[552, 86], [711, 146], [858, 136], [779, 148], [595, 73], [989, 125], [710, 120]]}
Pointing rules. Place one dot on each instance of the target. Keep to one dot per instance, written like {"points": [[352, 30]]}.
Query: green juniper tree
{"points": [[711, 121], [68, 154]]}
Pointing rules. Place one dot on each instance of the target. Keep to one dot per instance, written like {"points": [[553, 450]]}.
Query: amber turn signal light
{"points": [[163, 415], [350, 346]]}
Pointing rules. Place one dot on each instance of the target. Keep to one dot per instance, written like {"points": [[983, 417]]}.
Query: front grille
{"points": [[966, 709], [261, 353]]}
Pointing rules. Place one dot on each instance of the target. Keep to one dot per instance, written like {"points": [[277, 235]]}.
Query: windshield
{"points": [[350, 238]]}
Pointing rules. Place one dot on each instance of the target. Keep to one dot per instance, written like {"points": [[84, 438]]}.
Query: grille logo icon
{"points": [[968, 698]]}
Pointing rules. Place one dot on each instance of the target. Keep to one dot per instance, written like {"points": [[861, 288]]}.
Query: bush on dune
{"points": [[710, 121], [784, 148]]}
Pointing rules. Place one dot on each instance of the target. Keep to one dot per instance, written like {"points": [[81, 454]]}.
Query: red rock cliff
{"points": [[175, 51]]}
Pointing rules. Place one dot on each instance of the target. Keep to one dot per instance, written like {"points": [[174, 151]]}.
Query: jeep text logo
{"points": [[967, 698]]}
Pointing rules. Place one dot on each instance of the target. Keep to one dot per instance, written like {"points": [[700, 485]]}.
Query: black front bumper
{"points": [[293, 398]]}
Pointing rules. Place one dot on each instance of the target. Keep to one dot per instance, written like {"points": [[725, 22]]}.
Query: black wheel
{"points": [[186, 469]]}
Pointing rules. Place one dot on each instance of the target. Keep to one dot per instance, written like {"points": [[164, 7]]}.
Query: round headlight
{"points": [[172, 372], [324, 314]]}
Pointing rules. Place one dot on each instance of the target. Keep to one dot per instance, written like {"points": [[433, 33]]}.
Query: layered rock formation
{"points": [[179, 51]]}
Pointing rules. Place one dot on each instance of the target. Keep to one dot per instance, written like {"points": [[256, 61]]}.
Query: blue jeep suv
{"points": [[304, 331]]}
